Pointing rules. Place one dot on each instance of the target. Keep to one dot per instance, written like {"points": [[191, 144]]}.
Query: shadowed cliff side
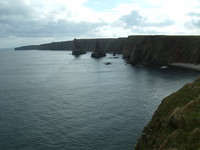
{"points": [[139, 50], [111, 45], [147, 50], [176, 123], [29, 47]]}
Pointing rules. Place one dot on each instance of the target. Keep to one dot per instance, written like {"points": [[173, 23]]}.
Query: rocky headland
{"points": [[176, 123], [162, 50]]}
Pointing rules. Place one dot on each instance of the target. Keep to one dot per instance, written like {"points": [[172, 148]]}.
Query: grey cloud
{"points": [[165, 23], [13, 8], [193, 24], [134, 19], [19, 20], [48, 29], [194, 14]]}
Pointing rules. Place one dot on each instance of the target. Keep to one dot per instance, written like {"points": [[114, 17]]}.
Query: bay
{"points": [[53, 100]]}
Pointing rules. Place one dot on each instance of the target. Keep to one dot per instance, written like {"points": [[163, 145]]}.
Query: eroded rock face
{"points": [[77, 50], [98, 52], [161, 50], [138, 50], [111, 45], [176, 122]]}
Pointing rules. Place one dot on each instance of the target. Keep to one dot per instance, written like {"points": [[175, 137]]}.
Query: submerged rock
{"points": [[98, 52], [115, 57], [107, 63], [77, 48]]}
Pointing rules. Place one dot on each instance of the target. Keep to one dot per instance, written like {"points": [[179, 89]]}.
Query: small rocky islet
{"points": [[98, 52], [77, 50]]}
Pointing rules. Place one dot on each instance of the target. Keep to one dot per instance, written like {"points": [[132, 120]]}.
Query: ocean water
{"points": [[50, 100]]}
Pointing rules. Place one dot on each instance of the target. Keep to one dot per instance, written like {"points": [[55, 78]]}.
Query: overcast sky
{"points": [[24, 22]]}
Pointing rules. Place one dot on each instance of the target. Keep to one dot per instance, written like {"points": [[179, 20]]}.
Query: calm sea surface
{"points": [[50, 100]]}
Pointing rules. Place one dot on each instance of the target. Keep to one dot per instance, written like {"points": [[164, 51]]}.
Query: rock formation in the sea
{"points": [[77, 50], [107, 63], [98, 51], [176, 123], [145, 50]]}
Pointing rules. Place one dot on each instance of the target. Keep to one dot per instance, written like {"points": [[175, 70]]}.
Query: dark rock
{"points": [[111, 45], [115, 57], [138, 50], [107, 63], [77, 50], [29, 47], [162, 50], [98, 52]]}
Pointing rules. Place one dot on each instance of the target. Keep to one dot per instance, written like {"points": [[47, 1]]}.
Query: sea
{"points": [[51, 100]]}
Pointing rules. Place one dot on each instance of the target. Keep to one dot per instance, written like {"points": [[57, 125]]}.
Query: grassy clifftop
{"points": [[176, 123]]}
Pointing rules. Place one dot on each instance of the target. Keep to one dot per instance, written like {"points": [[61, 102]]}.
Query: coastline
{"points": [[187, 66]]}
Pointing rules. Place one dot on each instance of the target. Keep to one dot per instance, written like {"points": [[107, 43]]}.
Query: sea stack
{"points": [[77, 48], [98, 52]]}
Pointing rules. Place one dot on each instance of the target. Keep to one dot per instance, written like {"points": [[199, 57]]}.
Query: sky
{"points": [[25, 22]]}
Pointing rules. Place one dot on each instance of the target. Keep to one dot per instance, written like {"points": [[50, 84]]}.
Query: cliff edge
{"points": [[110, 45], [139, 50], [176, 123], [162, 50]]}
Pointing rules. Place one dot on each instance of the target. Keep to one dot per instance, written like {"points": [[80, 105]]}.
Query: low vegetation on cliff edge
{"points": [[176, 123]]}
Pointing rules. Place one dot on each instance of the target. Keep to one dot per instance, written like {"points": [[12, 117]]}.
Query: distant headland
{"points": [[138, 49]]}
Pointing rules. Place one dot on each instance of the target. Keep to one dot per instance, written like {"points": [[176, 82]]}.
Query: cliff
{"points": [[176, 123], [108, 44], [139, 50], [29, 47], [66, 45], [158, 50]]}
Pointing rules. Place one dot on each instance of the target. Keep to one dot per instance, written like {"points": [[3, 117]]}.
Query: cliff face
{"points": [[162, 49], [108, 45], [145, 50], [29, 47], [67, 45], [176, 123]]}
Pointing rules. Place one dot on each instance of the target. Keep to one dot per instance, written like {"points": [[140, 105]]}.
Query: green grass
{"points": [[176, 123]]}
